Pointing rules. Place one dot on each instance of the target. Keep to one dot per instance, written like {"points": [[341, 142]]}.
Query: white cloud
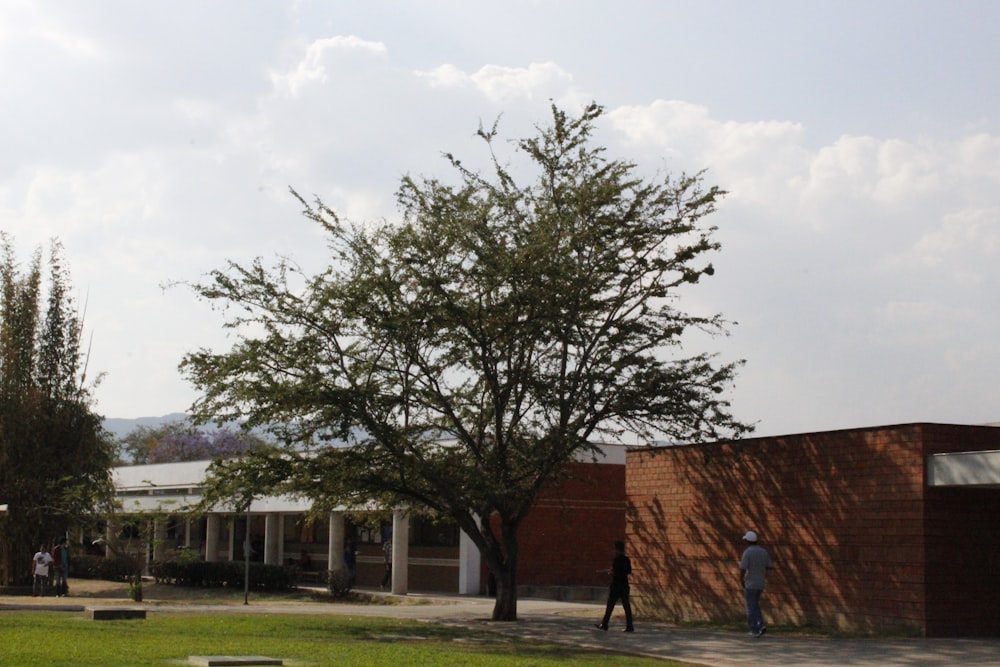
{"points": [[24, 23], [506, 84], [904, 170], [963, 250], [863, 268], [326, 58], [847, 167], [157, 142], [753, 161], [510, 86], [76, 46], [447, 76]]}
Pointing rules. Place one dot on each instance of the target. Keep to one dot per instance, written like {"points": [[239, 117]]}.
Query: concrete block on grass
{"points": [[116, 613], [232, 660]]}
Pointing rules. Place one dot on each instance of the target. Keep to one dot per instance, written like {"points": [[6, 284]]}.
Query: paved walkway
{"points": [[572, 624], [731, 649]]}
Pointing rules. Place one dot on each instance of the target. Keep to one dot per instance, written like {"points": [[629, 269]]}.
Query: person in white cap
{"points": [[754, 565]]}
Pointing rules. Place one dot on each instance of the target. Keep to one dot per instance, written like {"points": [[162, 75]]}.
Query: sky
{"points": [[858, 141]]}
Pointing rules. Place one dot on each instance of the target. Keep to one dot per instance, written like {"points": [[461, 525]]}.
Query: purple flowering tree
{"points": [[181, 441]]}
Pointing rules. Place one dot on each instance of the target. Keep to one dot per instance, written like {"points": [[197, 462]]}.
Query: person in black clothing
{"points": [[621, 567], [351, 560]]}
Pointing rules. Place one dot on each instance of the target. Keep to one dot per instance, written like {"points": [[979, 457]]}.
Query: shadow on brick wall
{"points": [[840, 513]]}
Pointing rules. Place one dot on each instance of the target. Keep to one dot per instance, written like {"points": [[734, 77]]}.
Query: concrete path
{"points": [[729, 649], [571, 623]]}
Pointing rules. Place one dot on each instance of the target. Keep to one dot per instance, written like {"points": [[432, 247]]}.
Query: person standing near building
{"points": [[40, 563], [621, 567], [387, 558], [754, 565], [60, 557], [351, 561]]}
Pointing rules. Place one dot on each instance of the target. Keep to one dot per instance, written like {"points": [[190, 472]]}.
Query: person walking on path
{"points": [[754, 565], [621, 567], [40, 563]]}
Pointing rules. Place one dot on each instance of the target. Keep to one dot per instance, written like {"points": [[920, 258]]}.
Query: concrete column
{"points": [[159, 539], [147, 528], [272, 530], [211, 537], [244, 548], [400, 552], [231, 549], [335, 544], [281, 540], [469, 565]]}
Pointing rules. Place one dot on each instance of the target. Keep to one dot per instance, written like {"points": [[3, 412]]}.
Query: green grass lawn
{"points": [[64, 638]]}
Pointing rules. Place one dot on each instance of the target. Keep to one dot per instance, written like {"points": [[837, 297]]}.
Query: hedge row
{"points": [[225, 573], [191, 573], [98, 567]]}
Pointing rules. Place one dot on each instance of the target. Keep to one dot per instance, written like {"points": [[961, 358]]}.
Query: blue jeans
{"points": [[41, 582], [59, 580], [755, 618]]}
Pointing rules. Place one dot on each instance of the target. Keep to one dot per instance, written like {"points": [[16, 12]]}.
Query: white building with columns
{"points": [[426, 556]]}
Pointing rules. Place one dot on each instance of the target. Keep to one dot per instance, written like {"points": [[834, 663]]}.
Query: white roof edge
{"points": [[185, 474], [160, 475]]}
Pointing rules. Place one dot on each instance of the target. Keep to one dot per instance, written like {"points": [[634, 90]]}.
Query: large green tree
{"points": [[54, 455], [470, 352]]}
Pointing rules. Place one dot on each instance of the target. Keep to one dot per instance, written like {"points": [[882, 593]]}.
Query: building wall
{"points": [[568, 534], [962, 539], [430, 568], [845, 514]]}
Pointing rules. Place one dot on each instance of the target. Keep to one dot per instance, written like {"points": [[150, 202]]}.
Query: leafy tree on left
{"points": [[55, 458]]}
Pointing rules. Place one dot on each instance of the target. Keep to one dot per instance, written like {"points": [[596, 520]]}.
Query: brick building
{"points": [[878, 530]]}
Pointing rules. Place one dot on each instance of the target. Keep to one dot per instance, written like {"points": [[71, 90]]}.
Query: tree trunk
{"points": [[505, 607], [6, 575]]}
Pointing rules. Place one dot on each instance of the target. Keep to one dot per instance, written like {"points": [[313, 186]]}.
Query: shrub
{"points": [[184, 572], [224, 574], [338, 582], [99, 567]]}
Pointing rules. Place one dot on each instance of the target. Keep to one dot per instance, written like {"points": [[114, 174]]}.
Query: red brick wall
{"points": [[569, 532], [843, 514]]}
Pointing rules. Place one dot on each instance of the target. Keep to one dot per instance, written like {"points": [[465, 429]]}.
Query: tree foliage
{"points": [[469, 353], [183, 441], [54, 455]]}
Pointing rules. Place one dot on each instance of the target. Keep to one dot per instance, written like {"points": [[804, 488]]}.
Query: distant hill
{"points": [[122, 427], [119, 428]]}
